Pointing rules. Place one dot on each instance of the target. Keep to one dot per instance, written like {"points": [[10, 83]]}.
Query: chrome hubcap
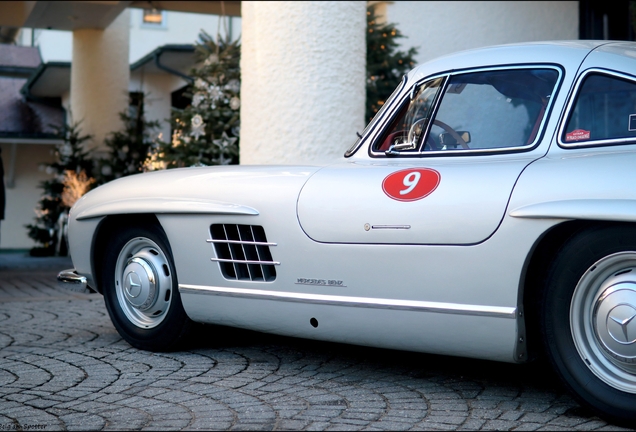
{"points": [[614, 321], [603, 320], [143, 282], [140, 283]]}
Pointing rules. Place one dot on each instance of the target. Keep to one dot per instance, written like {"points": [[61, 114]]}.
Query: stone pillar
{"points": [[100, 73], [302, 80]]}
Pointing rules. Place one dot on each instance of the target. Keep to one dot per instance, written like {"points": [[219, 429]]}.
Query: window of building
{"points": [[153, 18]]}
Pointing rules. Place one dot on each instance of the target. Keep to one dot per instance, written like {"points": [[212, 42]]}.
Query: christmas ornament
{"points": [[224, 143], [198, 127], [213, 58], [197, 99], [215, 93], [233, 86]]}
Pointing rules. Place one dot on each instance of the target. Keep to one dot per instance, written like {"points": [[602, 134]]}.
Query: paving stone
{"points": [[63, 365]]}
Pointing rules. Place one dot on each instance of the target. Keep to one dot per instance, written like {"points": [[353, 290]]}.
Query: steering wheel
{"points": [[416, 129], [452, 132]]}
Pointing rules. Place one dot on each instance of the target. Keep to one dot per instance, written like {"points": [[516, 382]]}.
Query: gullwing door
{"points": [[443, 170]]}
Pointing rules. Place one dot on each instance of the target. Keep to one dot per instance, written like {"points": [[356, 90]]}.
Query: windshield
{"points": [[408, 128], [376, 117]]}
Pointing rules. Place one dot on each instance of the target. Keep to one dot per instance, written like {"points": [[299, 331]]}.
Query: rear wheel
{"points": [[589, 319], [141, 290]]}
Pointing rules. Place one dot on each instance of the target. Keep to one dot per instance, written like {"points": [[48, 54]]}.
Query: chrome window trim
{"points": [[537, 139], [570, 107], [372, 125], [349, 301], [396, 110]]}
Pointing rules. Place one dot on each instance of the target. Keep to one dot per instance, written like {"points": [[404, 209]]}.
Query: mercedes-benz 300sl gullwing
{"points": [[487, 211]]}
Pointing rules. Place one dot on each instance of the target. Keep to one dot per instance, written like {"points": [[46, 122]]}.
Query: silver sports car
{"points": [[487, 211]]}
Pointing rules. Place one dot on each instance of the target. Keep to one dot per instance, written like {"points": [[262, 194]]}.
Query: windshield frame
{"points": [[375, 121]]}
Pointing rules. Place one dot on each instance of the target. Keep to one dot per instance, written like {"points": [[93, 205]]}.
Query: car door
{"points": [[444, 167]]}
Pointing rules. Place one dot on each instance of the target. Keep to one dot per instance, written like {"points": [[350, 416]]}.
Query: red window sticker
{"points": [[577, 135], [411, 184]]}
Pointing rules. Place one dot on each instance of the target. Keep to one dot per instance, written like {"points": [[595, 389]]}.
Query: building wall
{"points": [[179, 28], [54, 45], [437, 28], [24, 196]]}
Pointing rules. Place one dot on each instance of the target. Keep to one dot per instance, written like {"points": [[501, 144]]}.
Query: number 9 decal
{"points": [[411, 184], [410, 181]]}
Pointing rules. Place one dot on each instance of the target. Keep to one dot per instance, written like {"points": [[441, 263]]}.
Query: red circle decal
{"points": [[411, 184]]}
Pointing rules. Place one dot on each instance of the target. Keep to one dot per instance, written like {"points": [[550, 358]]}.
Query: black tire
{"points": [[591, 286], [149, 316]]}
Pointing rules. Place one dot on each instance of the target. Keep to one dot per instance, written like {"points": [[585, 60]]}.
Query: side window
{"points": [[408, 127], [475, 111], [604, 110], [494, 109]]}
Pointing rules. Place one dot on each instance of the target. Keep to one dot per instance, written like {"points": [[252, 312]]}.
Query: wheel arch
{"points": [[535, 272], [105, 228], [590, 275]]}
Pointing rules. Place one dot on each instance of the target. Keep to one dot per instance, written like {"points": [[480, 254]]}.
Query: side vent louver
{"points": [[242, 252]]}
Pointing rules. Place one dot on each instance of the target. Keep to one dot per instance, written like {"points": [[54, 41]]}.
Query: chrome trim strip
{"points": [[390, 226], [241, 242], [245, 261], [69, 276], [362, 302], [70, 280], [164, 206]]}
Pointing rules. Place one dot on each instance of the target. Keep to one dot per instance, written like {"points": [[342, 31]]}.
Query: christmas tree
{"points": [[130, 148], [72, 164], [385, 64], [206, 132]]}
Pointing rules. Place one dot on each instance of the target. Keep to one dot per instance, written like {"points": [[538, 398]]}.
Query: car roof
{"points": [[569, 54]]}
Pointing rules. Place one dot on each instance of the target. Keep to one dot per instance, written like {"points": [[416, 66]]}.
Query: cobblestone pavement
{"points": [[64, 367]]}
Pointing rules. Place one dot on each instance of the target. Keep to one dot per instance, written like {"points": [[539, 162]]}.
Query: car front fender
{"points": [[163, 206]]}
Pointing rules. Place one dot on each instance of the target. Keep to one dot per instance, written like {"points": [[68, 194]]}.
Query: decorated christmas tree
{"points": [[73, 168], [130, 148], [206, 132], [385, 64]]}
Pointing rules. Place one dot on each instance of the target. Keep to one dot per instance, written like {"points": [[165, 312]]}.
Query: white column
{"points": [[99, 77], [302, 80]]}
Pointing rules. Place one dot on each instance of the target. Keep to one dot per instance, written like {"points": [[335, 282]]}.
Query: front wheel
{"points": [[140, 289], [588, 319]]}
